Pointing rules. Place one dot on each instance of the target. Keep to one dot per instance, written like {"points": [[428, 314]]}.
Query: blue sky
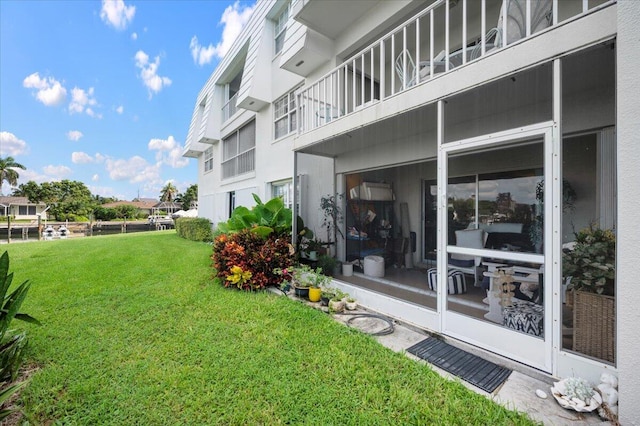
{"points": [[102, 92]]}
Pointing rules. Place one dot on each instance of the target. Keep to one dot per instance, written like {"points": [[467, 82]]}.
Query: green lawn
{"points": [[135, 332]]}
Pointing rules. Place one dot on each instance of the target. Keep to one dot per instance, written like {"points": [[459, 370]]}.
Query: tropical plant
{"points": [[190, 197], [591, 263], [168, 192], [263, 219], [11, 345], [330, 205], [8, 173], [251, 253]]}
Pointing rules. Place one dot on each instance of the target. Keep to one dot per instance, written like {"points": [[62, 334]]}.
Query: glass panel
{"points": [[230, 146], [496, 211], [282, 127], [247, 136], [588, 318]]}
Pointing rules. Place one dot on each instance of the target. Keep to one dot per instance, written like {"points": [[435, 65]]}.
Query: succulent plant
{"points": [[579, 388]]}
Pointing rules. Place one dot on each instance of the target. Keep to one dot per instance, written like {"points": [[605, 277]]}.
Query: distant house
{"points": [[21, 208]]}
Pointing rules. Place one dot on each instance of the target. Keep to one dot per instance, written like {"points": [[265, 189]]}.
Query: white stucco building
{"points": [[484, 131]]}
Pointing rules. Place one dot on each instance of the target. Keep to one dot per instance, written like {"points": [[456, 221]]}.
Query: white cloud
{"points": [[82, 101], [11, 145], [136, 169], [234, 18], [201, 55], [134, 36], [149, 73], [57, 172], [120, 109], [117, 14], [81, 158], [169, 152], [95, 178], [74, 135], [100, 158], [49, 90]]}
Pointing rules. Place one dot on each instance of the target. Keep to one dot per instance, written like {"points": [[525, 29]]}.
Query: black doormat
{"points": [[471, 368]]}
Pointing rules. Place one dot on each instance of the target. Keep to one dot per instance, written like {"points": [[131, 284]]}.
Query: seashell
{"points": [[541, 394], [578, 402]]}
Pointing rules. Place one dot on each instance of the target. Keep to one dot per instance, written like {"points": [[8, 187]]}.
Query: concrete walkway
{"points": [[518, 392]]}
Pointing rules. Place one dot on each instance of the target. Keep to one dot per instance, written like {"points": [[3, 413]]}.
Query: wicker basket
{"points": [[594, 325]]}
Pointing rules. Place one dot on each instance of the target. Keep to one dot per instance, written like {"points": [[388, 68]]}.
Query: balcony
{"points": [[230, 108], [445, 36]]}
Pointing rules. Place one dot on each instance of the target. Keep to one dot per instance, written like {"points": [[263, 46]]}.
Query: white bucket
{"points": [[374, 266], [347, 269]]}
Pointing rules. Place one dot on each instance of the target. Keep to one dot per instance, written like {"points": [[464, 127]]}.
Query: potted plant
{"points": [[351, 304], [326, 295], [330, 205], [313, 248], [336, 304], [300, 280], [328, 264], [317, 281], [591, 266]]}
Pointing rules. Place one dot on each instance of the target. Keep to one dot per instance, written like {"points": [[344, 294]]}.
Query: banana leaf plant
{"points": [[263, 219]]}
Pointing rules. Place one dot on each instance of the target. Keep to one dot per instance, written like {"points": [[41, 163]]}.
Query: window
{"points": [[238, 151], [284, 115], [283, 190], [281, 28], [208, 159], [27, 210]]}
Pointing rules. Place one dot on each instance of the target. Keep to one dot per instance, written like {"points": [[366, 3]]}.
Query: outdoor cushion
{"points": [[456, 281]]}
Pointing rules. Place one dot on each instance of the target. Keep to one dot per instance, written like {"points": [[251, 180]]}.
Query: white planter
{"points": [[347, 269]]}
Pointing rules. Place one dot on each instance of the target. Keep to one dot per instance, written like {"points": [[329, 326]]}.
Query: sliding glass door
{"points": [[497, 292]]}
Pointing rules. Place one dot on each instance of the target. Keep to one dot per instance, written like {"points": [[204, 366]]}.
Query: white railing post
{"points": [[372, 73], [504, 24], [393, 63], [346, 88], [404, 58], [382, 70], [464, 31], [446, 36], [362, 79], [431, 34], [483, 27], [417, 76], [355, 84]]}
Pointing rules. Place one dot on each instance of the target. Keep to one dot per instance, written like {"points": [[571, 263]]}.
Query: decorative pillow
{"points": [[455, 280]]}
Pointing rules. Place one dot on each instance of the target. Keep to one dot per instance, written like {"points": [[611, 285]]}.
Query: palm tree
{"points": [[168, 193], [7, 172]]}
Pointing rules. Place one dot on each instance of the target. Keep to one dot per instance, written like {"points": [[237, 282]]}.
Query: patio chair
{"points": [[406, 74], [469, 238]]}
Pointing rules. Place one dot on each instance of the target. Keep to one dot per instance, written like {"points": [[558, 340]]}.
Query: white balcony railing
{"points": [[240, 164], [445, 35], [230, 108]]}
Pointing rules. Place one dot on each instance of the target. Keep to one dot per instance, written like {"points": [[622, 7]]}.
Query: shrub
{"points": [[247, 254], [263, 219], [194, 228], [11, 344]]}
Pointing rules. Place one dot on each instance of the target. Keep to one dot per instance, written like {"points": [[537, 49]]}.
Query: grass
{"points": [[135, 332]]}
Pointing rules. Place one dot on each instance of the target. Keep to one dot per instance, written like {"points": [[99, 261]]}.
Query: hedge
{"points": [[194, 228]]}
